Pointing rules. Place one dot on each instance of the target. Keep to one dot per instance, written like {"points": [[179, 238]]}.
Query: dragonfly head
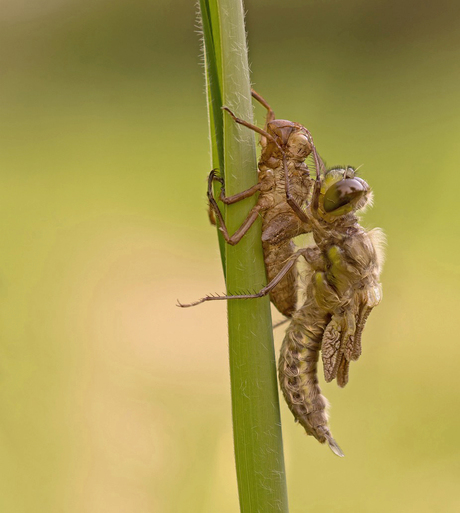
{"points": [[342, 192], [292, 138]]}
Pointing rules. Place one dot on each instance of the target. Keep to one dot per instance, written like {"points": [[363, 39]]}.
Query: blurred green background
{"points": [[111, 398]]}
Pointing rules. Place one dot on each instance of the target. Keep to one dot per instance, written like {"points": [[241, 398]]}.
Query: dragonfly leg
{"points": [[255, 128], [229, 200], [270, 114], [301, 214], [263, 292], [242, 230]]}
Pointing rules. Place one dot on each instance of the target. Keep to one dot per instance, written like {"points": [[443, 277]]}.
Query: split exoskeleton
{"points": [[284, 185], [342, 275]]}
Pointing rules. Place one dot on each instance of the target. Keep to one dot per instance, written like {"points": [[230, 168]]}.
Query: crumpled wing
{"points": [[342, 338], [338, 347], [343, 372], [360, 323], [330, 349], [374, 296]]}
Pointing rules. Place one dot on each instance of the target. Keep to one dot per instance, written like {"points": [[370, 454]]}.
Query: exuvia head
{"points": [[292, 138], [342, 193]]}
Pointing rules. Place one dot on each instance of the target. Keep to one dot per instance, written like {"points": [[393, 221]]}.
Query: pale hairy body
{"points": [[342, 288]]}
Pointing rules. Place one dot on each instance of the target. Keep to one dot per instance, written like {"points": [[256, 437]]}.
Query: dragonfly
{"points": [[284, 187], [343, 286]]}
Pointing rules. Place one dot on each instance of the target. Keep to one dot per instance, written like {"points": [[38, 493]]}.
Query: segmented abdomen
{"points": [[284, 295], [298, 371]]}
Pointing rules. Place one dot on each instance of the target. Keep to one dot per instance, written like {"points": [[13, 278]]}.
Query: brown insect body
{"points": [[284, 186], [285, 147], [279, 222]]}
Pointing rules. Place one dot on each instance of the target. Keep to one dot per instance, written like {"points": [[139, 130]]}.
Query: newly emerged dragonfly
{"points": [[284, 186], [342, 288]]}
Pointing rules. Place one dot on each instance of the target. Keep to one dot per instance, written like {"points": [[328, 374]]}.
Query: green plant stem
{"points": [[255, 405]]}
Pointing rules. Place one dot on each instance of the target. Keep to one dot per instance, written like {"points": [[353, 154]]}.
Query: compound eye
{"points": [[343, 192]]}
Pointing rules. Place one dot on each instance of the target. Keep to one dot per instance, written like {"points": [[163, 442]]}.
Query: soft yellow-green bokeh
{"points": [[111, 398]]}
